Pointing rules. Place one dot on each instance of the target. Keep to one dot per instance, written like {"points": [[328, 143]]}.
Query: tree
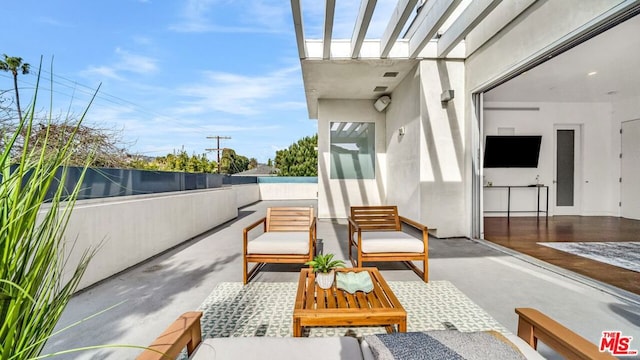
{"points": [[232, 163], [253, 163], [15, 64], [300, 159], [103, 145], [179, 161]]}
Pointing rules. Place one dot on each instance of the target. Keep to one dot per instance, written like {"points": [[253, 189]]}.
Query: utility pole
{"points": [[218, 149]]}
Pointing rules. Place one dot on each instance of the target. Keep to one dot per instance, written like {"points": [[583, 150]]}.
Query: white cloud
{"points": [[102, 71], [135, 63], [239, 94], [255, 16], [126, 62]]}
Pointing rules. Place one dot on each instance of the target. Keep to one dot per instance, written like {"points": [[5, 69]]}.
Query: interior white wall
{"points": [[599, 191], [624, 110], [538, 28], [335, 196]]}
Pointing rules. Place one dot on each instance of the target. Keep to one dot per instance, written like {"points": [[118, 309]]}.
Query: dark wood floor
{"points": [[523, 233]]}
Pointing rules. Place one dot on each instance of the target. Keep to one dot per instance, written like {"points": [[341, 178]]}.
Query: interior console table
{"points": [[535, 187]]}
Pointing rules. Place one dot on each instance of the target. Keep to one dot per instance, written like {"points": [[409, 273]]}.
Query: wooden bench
{"points": [[289, 237], [376, 233]]}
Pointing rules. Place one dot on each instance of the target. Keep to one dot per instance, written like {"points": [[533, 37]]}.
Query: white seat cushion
{"points": [[262, 348], [280, 242], [389, 241]]}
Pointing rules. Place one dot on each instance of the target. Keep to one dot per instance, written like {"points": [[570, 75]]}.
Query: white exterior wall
{"points": [[134, 228], [443, 147], [425, 166], [598, 193], [403, 152], [246, 194], [335, 197], [288, 191]]}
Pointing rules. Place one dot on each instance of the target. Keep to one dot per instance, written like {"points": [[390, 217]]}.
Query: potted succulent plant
{"points": [[323, 266]]}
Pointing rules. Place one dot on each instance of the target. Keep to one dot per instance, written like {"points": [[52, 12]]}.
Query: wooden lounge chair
{"points": [[376, 233], [532, 326], [289, 237]]}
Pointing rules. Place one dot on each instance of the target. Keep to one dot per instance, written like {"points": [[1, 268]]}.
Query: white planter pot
{"points": [[325, 280]]}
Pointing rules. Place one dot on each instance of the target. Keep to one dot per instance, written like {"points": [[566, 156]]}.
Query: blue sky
{"points": [[176, 71]]}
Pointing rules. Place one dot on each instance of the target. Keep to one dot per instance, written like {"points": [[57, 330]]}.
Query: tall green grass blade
{"points": [[34, 287]]}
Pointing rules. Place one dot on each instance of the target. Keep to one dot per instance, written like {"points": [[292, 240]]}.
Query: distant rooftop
{"points": [[260, 170]]}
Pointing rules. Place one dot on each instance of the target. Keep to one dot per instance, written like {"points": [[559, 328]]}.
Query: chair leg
{"points": [[244, 269], [425, 273]]}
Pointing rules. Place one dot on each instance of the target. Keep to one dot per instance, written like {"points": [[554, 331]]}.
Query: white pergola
{"points": [[424, 38], [374, 67]]}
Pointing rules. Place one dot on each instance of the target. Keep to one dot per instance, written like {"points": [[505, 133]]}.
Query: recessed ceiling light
{"points": [[390, 74], [380, 88], [592, 73]]}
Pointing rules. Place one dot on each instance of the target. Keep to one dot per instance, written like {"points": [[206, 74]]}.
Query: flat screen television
{"points": [[512, 151]]}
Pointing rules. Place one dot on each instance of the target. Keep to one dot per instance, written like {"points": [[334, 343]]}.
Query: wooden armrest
{"points": [[185, 331], [534, 325], [246, 230], [415, 224]]}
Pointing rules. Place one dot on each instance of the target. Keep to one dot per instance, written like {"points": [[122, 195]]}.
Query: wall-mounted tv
{"points": [[512, 151]]}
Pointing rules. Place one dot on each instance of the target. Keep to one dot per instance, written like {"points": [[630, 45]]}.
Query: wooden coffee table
{"points": [[333, 307]]}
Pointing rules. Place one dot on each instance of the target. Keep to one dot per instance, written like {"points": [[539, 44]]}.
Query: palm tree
{"points": [[15, 64]]}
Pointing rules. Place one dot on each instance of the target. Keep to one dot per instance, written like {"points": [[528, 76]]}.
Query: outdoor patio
{"points": [[152, 294]]}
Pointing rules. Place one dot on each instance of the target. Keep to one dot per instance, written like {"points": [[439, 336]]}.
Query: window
{"points": [[352, 150]]}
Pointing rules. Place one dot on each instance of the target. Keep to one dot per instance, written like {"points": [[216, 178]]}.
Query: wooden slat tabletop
{"points": [[334, 307]]}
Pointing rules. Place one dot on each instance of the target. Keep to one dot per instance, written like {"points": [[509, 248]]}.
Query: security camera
{"points": [[382, 103]]}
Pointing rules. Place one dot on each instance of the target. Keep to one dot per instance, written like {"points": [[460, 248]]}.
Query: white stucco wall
{"points": [[288, 191], [403, 152], [132, 229], [598, 192], [425, 166], [443, 177], [246, 194], [335, 197]]}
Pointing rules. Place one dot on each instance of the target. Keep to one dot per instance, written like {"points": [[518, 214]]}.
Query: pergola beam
{"points": [[328, 28], [466, 22], [433, 19], [362, 24], [296, 10], [396, 23]]}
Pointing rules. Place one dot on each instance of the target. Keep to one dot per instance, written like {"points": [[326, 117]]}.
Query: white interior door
{"points": [[630, 170], [568, 169]]}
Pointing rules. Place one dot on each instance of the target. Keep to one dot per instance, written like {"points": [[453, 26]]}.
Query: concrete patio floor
{"points": [[152, 294]]}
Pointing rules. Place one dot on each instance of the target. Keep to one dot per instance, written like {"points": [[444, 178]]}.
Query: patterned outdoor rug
{"points": [[621, 254], [266, 309]]}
